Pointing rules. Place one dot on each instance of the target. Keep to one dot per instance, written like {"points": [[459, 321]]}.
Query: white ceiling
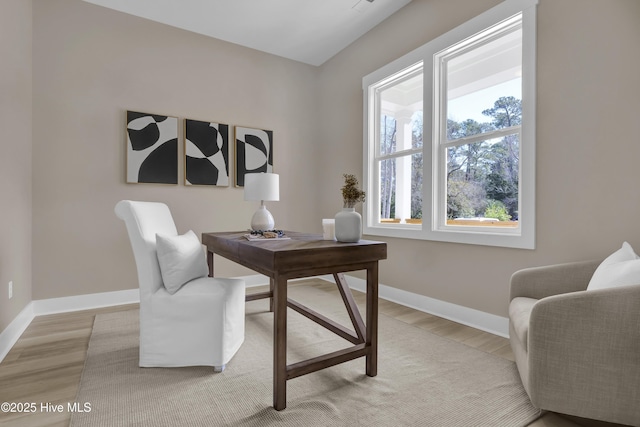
{"points": [[309, 31]]}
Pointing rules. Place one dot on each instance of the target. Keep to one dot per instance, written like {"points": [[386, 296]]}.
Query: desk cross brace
{"points": [[358, 338], [327, 360], [352, 309]]}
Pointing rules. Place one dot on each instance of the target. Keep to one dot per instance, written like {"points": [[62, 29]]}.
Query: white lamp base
{"points": [[262, 220]]}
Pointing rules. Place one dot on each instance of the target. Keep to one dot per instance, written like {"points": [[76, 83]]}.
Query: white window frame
{"points": [[433, 227], [399, 153]]}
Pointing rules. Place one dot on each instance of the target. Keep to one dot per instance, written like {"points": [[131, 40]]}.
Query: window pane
{"points": [[401, 188], [479, 78], [482, 181], [401, 114]]}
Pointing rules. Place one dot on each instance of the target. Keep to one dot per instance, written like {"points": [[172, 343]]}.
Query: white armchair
{"points": [[202, 323]]}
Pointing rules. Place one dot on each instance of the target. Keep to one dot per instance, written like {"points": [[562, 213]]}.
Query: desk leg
{"points": [[279, 343], [210, 262], [372, 320], [271, 282]]}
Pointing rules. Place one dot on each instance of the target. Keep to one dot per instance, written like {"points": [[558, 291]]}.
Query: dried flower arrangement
{"points": [[351, 194]]}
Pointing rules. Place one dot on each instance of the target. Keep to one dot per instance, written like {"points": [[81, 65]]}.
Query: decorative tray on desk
{"points": [[266, 235]]}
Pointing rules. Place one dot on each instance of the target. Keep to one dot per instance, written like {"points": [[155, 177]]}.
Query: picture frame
{"points": [[253, 152], [206, 153], [152, 148]]}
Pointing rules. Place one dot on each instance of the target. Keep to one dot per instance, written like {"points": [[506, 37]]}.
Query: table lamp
{"points": [[263, 187]]}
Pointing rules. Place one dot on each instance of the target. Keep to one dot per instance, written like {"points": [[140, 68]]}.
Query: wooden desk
{"points": [[306, 255]]}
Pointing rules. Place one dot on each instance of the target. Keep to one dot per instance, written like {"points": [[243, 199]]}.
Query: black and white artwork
{"points": [[254, 152], [152, 148], [206, 150]]}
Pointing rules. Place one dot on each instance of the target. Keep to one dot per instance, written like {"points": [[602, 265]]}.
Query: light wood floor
{"points": [[46, 363]]}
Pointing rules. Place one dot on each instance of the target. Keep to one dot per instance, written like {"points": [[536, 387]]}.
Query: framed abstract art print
{"points": [[206, 151], [254, 152], [152, 148]]}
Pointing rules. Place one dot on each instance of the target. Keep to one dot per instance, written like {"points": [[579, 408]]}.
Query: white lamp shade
{"points": [[262, 186]]}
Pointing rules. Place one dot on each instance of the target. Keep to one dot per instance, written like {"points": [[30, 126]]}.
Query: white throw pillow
{"points": [[181, 259], [618, 269]]}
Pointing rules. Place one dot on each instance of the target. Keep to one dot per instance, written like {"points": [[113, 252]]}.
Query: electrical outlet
{"points": [[11, 289]]}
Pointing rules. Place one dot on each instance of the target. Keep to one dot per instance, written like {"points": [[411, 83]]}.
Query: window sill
{"points": [[500, 233], [456, 222]]}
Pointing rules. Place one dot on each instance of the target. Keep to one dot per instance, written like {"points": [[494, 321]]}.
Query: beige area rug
{"points": [[423, 379]]}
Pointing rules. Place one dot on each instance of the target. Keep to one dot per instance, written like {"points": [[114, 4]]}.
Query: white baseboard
{"points": [[11, 333], [467, 316], [85, 302], [254, 280], [477, 319]]}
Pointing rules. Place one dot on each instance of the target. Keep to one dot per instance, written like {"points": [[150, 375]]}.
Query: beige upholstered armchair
{"points": [[577, 350]]}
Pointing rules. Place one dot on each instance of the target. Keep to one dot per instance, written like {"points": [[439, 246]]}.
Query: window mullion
{"points": [[500, 133], [397, 154]]}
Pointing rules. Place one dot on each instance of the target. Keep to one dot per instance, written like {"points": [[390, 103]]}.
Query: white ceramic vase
{"points": [[348, 225]]}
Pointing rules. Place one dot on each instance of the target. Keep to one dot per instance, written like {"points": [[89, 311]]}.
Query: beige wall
{"points": [[587, 145], [15, 157], [91, 64]]}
